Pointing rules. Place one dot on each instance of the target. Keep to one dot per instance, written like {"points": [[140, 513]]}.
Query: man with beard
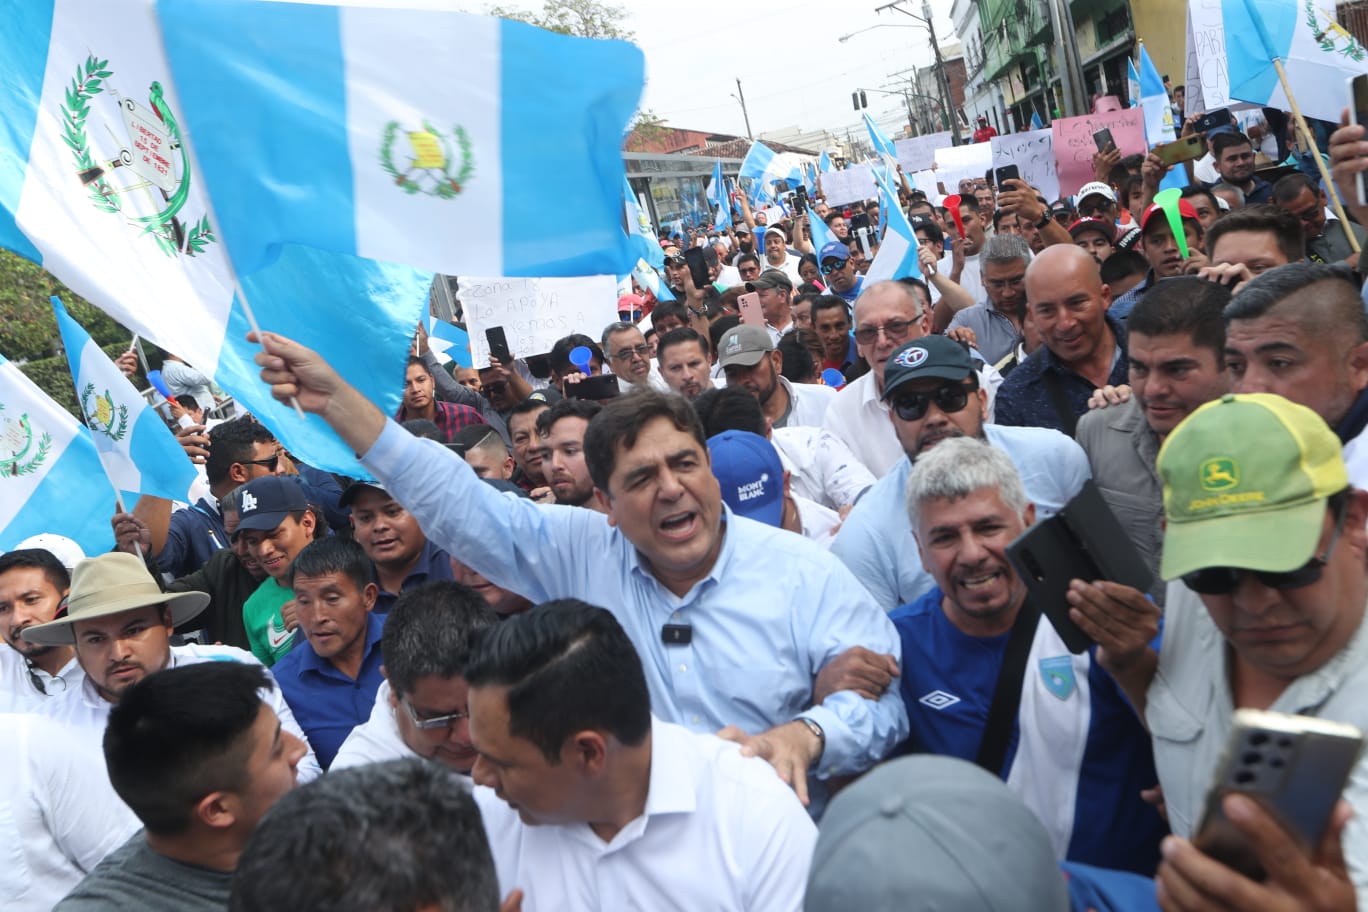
{"points": [[748, 357], [1234, 161], [33, 583], [561, 429], [683, 357], [121, 623], [933, 392]]}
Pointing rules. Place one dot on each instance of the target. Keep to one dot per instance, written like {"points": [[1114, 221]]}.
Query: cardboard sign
{"points": [[960, 162], [919, 152], [1074, 147], [1033, 154], [852, 185], [536, 312]]}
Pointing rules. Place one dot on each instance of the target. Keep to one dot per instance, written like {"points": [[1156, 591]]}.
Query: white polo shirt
{"points": [[719, 832], [17, 691], [59, 816], [83, 710]]}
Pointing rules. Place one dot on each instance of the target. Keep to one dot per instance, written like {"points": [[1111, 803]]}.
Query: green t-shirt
{"points": [[266, 634]]}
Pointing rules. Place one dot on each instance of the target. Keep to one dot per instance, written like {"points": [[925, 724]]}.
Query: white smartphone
{"points": [[1358, 114]]}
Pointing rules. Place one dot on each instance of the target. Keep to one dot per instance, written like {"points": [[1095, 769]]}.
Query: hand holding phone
{"points": [[749, 306], [1103, 138], [1189, 148], [698, 268], [1358, 114], [1004, 174], [498, 344]]}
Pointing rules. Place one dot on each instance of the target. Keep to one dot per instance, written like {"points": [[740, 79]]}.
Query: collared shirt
{"points": [[58, 813], [821, 467], [997, 334], [1190, 708], [1025, 401], [449, 417], [819, 523], [1332, 244], [808, 404], [876, 541], [192, 537], [19, 694], [773, 610], [433, 565], [718, 831], [859, 419], [375, 740], [85, 712], [326, 703]]}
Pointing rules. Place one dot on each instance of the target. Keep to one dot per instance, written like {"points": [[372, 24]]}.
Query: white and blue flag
{"points": [[882, 144], [1132, 83], [449, 342], [138, 451], [51, 479], [101, 187], [897, 255], [821, 234], [1154, 100], [824, 162], [763, 166], [417, 136], [717, 195], [1036, 122]]}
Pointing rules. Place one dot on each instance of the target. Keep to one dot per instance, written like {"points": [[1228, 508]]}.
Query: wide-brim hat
{"points": [[111, 584]]}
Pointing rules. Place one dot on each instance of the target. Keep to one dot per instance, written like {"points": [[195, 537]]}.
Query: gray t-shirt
{"points": [[135, 877]]}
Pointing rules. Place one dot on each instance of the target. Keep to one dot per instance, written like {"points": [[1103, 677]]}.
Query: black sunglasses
{"points": [[949, 399], [270, 462], [1225, 580], [830, 266]]}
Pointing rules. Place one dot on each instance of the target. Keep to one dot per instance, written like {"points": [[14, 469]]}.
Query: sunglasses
{"points": [[1225, 580], [270, 462], [914, 406], [830, 266]]}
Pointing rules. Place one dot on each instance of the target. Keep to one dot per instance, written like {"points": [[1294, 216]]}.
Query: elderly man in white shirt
{"points": [[121, 623], [590, 802]]}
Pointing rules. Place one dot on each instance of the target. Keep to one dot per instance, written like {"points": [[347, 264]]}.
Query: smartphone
{"points": [[858, 220], [1294, 766], [1189, 148], [1211, 120], [1005, 173], [604, 386], [749, 306], [800, 199], [1358, 114], [498, 344], [1103, 138], [698, 269]]}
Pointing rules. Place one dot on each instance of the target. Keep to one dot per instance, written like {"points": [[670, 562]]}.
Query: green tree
{"points": [[585, 18], [646, 127]]}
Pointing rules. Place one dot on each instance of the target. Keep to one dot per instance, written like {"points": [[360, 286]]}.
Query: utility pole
{"points": [[1066, 49], [741, 97], [950, 119]]}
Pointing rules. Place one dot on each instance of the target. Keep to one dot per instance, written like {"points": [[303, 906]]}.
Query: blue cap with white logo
{"points": [[929, 356], [752, 478]]}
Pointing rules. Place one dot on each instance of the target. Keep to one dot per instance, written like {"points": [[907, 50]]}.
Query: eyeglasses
{"points": [[270, 462], [949, 399], [830, 266], [435, 722], [1093, 210], [1225, 580], [894, 330], [625, 354]]}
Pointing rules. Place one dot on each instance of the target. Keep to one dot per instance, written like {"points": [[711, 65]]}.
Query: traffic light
{"points": [[858, 99]]}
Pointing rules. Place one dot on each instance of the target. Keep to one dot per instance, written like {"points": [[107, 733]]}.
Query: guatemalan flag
{"points": [[764, 166], [50, 475], [1132, 84], [449, 342], [882, 144], [1318, 55], [717, 195], [897, 255], [100, 185], [417, 136], [138, 451]]}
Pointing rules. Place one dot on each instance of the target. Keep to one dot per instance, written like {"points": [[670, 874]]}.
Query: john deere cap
{"points": [[1245, 484]]}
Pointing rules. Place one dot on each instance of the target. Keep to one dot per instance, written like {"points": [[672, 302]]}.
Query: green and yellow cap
{"points": [[1245, 484]]}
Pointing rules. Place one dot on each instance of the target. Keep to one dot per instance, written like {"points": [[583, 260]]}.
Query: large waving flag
{"points": [[1155, 101], [882, 144], [764, 166], [717, 195], [51, 479], [138, 451], [1318, 55], [641, 237], [99, 185], [897, 255], [412, 135]]}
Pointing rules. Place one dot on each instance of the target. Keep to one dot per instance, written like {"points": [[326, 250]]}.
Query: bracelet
{"points": [[816, 730]]}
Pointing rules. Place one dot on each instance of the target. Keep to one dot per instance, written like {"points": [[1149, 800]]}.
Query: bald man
{"points": [[1083, 347]]}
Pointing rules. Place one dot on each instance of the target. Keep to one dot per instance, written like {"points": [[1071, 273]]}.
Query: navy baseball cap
{"points": [[929, 356], [747, 467], [263, 503]]}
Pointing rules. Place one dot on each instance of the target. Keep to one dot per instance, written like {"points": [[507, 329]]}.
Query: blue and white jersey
{"points": [[1078, 755]]}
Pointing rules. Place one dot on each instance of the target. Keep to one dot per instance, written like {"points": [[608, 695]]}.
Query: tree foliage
{"points": [[585, 18], [645, 128]]}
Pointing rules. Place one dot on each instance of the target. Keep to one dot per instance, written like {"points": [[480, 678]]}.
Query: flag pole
{"points": [[1310, 140]]}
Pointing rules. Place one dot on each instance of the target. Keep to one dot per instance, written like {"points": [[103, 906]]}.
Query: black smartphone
{"points": [[604, 386], [800, 200], [697, 268], [1212, 120], [1103, 138], [1083, 541], [858, 220], [498, 344], [539, 366], [1358, 114], [1005, 173]]}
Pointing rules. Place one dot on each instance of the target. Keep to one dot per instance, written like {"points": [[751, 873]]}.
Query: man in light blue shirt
{"points": [[733, 619], [932, 386]]}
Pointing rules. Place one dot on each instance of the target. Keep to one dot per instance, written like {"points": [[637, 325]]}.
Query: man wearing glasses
{"points": [[838, 271], [629, 356], [933, 394]]}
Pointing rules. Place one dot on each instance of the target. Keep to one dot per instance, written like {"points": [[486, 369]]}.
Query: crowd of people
{"points": [[713, 607]]}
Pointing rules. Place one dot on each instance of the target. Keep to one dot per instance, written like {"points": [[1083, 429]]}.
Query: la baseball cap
{"points": [[747, 467], [1246, 479], [744, 345], [263, 503], [929, 356]]}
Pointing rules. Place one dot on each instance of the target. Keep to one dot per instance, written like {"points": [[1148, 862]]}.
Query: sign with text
{"points": [[1074, 146], [853, 184], [534, 313], [919, 152], [959, 163], [926, 182], [1033, 154]]}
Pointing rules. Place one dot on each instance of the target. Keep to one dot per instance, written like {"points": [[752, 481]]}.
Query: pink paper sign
{"points": [[1074, 146]]}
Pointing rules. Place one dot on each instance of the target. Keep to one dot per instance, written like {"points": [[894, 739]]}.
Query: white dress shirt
{"points": [[808, 403], [59, 816], [719, 831], [85, 712], [375, 740], [821, 467], [819, 523], [17, 692]]}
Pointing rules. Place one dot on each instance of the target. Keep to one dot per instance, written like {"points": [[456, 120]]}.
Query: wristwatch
{"points": [[816, 730], [1045, 218]]}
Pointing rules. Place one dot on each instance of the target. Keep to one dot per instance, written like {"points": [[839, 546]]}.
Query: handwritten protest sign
{"points": [[959, 162], [853, 184], [1033, 154], [925, 181], [917, 153], [534, 313], [1074, 147]]}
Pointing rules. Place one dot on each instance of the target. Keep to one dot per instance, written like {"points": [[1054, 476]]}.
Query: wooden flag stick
{"points": [[1310, 140]]}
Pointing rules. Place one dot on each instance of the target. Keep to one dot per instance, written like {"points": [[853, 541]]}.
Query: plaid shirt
{"points": [[450, 418]]}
